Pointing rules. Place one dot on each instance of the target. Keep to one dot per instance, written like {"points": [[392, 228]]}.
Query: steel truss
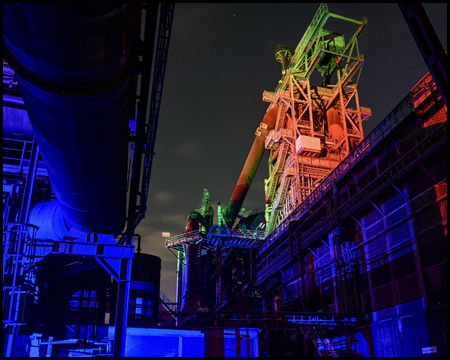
{"points": [[342, 263], [306, 143]]}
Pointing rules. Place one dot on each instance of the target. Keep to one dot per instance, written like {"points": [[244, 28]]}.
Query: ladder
{"points": [[281, 161], [280, 117], [278, 203], [273, 186]]}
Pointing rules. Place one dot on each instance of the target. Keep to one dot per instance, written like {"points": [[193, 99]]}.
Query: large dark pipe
{"points": [[249, 170], [73, 64]]}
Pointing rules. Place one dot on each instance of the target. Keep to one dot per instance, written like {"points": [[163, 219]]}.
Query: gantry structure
{"points": [[315, 127]]}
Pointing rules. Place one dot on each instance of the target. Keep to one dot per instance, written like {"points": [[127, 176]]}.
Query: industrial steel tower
{"points": [[315, 126]]}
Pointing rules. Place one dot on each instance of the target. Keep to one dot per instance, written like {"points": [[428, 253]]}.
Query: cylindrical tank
{"points": [[73, 64], [144, 292], [334, 122]]}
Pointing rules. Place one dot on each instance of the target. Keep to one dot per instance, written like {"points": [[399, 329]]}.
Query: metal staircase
{"points": [[327, 347], [167, 304], [280, 117], [273, 186], [278, 203]]}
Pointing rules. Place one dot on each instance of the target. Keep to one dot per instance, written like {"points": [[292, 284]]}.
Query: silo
{"points": [[144, 292]]}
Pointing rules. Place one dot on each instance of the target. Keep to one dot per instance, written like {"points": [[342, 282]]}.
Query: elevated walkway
{"points": [[217, 236]]}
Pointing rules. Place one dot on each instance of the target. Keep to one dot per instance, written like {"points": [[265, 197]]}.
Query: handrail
{"points": [[177, 238], [166, 303]]}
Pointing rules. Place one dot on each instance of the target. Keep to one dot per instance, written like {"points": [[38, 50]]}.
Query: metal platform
{"points": [[217, 236], [271, 320]]}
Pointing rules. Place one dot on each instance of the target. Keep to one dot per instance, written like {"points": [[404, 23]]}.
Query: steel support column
{"points": [[31, 176], [180, 258], [8, 343], [123, 295]]}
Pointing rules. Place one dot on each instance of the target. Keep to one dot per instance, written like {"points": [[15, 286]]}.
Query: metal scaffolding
{"points": [[315, 127]]}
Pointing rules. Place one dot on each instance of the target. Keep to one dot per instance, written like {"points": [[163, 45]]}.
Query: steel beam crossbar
{"points": [[112, 251]]}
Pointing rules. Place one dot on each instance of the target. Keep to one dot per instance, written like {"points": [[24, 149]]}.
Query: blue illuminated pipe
{"points": [[50, 220], [73, 65]]}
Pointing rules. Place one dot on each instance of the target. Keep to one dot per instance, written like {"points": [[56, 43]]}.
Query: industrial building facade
{"points": [[372, 240]]}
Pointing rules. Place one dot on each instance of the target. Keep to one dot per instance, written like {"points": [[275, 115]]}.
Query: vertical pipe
{"points": [[334, 271], [31, 176], [358, 109], [344, 120], [134, 183], [177, 300], [185, 278], [191, 296], [179, 279], [218, 273], [311, 119]]}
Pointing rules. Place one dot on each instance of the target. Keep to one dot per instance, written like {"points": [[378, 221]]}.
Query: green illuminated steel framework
{"points": [[315, 127]]}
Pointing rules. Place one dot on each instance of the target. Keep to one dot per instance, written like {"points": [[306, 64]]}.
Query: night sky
{"points": [[220, 61]]}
